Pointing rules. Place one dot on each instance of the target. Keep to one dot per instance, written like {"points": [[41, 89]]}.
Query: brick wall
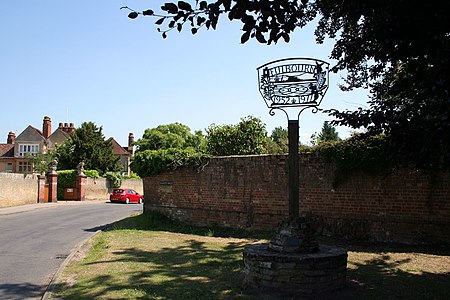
{"points": [[18, 189], [252, 192]]}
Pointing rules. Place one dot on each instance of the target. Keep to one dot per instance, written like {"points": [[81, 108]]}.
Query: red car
{"points": [[126, 196]]}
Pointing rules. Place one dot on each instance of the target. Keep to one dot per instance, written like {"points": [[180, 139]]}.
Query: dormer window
{"points": [[28, 149]]}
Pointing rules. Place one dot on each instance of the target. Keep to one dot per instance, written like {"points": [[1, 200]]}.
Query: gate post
{"points": [[52, 182], [52, 187], [81, 187], [41, 189]]}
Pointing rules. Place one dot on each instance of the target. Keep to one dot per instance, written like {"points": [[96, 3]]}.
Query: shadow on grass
{"points": [[196, 270], [191, 271], [379, 247], [382, 278], [158, 222]]}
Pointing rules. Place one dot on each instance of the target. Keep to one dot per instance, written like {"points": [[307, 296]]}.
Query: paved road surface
{"points": [[35, 240]]}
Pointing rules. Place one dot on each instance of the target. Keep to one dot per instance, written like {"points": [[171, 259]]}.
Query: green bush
{"points": [[131, 176], [114, 178], [152, 162], [356, 154], [92, 173], [249, 136]]}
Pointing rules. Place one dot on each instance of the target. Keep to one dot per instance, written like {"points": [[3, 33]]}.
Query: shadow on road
{"points": [[20, 290]]}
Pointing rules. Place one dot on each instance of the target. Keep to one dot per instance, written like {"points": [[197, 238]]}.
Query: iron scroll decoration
{"points": [[293, 82]]}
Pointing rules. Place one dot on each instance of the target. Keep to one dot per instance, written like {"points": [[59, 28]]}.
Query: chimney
{"points": [[11, 137], [47, 127], [131, 143], [71, 128]]}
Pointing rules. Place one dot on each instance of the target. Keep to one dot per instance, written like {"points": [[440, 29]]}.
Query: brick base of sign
{"points": [[295, 273]]}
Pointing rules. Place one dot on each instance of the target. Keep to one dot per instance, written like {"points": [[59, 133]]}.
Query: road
{"points": [[34, 242]]}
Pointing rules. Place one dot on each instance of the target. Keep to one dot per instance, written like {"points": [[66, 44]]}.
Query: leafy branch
{"points": [[267, 21]]}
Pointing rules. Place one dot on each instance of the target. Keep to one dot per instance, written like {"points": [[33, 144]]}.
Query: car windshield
{"points": [[118, 191]]}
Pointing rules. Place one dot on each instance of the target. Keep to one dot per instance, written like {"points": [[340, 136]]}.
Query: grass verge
{"points": [[150, 257]]}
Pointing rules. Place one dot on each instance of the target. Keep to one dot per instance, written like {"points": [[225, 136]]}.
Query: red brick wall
{"points": [[252, 192]]}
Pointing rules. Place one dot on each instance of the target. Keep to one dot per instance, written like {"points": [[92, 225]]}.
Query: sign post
{"points": [[293, 85]]}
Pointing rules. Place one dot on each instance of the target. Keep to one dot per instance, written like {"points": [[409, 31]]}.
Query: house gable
{"points": [[30, 134], [125, 156], [57, 138], [119, 150], [30, 140]]}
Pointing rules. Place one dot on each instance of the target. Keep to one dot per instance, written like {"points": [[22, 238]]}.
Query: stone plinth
{"points": [[294, 236], [295, 273]]}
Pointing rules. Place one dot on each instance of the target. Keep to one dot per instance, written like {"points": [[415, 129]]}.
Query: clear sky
{"points": [[78, 61]]}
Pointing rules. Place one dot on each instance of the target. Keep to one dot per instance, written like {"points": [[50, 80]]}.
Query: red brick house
{"points": [[14, 154], [125, 153]]}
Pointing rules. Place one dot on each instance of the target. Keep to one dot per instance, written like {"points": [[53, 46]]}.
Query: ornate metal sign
{"points": [[293, 82], [288, 83]]}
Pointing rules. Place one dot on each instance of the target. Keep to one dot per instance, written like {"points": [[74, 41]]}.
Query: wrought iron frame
{"points": [[288, 76]]}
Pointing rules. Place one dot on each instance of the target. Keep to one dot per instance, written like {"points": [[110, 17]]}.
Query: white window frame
{"points": [[28, 149]]}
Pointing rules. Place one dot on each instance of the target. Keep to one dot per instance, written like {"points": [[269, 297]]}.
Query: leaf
{"points": [[160, 21], [133, 15], [200, 21], [179, 27], [148, 12], [286, 37], [214, 23], [164, 35], [245, 37], [171, 8], [203, 5], [260, 37], [194, 30], [184, 6]]}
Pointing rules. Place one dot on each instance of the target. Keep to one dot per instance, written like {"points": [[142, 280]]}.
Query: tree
{"points": [[399, 49], [41, 161], [173, 135], [168, 147], [278, 142], [246, 137], [327, 134], [88, 144]]}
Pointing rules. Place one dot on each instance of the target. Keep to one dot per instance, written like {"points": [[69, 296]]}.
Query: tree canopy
{"points": [[168, 147], [87, 143], [246, 137], [278, 142], [328, 134], [173, 135], [398, 49]]}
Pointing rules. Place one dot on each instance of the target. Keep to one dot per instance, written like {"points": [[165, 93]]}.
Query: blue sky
{"points": [[78, 61]]}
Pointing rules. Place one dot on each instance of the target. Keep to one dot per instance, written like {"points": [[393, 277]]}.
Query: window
{"points": [[25, 149], [25, 167], [9, 168]]}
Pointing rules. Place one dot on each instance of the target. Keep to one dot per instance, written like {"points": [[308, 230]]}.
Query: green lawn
{"points": [[150, 257]]}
